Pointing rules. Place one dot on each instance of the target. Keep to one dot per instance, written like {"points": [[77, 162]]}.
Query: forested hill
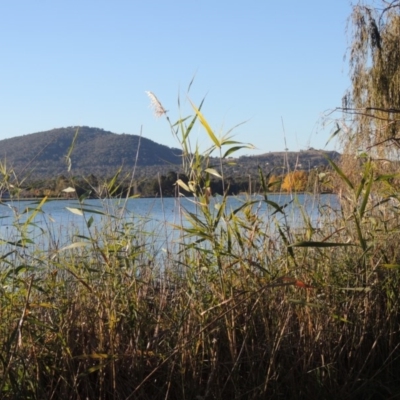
{"points": [[101, 153], [280, 161], [95, 151]]}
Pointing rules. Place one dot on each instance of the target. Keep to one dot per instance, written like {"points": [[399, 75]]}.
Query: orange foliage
{"points": [[295, 181], [295, 282], [274, 183]]}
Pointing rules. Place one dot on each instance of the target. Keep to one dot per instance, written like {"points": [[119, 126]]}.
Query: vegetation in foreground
{"points": [[236, 304]]}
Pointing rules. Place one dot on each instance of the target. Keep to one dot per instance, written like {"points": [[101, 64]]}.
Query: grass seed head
{"points": [[155, 104]]}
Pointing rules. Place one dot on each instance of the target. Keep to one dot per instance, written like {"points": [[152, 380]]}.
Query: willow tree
{"points": [[373, 102]]}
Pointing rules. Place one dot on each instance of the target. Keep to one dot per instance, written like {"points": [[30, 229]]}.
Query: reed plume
{"points": [[155, 104]]}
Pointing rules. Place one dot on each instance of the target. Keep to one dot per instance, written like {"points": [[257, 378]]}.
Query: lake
{"points": [[60, 222]]}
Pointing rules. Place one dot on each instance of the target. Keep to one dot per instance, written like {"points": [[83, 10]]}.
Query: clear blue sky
{"points": [[89, 62]]}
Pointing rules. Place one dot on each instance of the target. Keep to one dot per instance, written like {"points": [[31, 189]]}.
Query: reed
{"points": [[240, 304]]}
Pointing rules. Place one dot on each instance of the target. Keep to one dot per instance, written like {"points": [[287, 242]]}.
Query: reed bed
{"points": [[238, 304]]}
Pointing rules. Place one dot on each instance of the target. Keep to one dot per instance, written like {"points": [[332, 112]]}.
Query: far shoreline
{"points": [[39, 199]]}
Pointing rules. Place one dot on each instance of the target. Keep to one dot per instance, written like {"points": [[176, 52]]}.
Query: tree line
{"points": [[164, 185]]}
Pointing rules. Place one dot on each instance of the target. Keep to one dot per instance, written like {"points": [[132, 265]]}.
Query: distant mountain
{"points": [[95, 151]]}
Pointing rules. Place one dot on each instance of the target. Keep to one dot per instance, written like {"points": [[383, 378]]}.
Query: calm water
{"points": [[59, 221]]}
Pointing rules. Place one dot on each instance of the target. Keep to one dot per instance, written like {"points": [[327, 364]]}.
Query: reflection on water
{"points": [[58, 222]]}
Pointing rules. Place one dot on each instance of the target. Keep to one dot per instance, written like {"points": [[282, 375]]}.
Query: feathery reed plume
{"points": [[158, 109]]}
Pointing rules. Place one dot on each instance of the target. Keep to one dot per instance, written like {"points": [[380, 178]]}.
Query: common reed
{"points": [[240, 304]]}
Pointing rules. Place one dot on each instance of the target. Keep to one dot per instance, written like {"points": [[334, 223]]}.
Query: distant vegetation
{"points": [[39, 160]]}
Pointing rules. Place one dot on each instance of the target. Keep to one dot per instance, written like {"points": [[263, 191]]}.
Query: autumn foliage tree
{"points": [[295, 181], [274, 183]]}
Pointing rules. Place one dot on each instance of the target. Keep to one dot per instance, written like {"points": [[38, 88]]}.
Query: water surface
{"points": [[58, 220]]}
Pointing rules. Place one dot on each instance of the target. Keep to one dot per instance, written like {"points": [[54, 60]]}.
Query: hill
{"points": [[95, 152], [101, 153], [279, 162]]}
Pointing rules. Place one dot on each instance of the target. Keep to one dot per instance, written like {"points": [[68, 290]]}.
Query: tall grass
{"points": [[240, 304]]}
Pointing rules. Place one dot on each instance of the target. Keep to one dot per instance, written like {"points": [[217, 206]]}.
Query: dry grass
{"points": [[243, 308]]}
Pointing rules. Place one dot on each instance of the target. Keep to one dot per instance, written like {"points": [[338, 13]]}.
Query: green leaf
{"points": [[35, 212], [285, 240], [4, 256], [366, 195], [263, 182], [90, 222], [339, 172], [190, 127], [247, 204], [277, 207], [74, 246], [180, 121], [357, 289], [390, 266], [386, 177], [333, 134], [206, 126], [68, 156], [213, 171], [183, 185], [111, 186], [23, 268], [75, 211], [19, 243], [69, 189], [94, 356], [341, 319], [319, 244], [233, 149], [90, 210]]}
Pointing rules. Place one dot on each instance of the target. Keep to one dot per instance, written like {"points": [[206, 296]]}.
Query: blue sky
{"points": [[277, 65]]}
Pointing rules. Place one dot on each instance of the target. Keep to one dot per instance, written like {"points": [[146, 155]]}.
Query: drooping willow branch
{"points": [[364, 112]]}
